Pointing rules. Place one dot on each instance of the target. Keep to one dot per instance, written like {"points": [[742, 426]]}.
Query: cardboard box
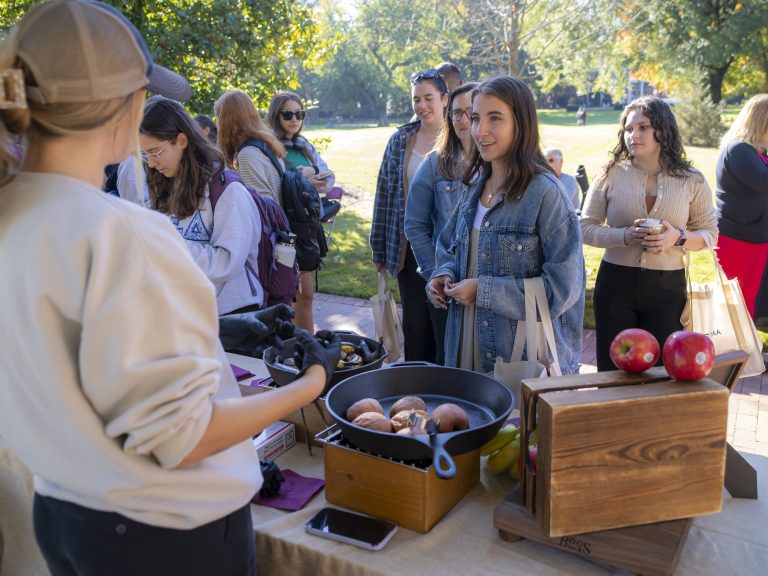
{"points": [[616, 450], [275, 440]]}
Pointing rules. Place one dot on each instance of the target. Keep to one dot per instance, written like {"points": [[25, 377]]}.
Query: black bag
{"points": [[301, 203]]}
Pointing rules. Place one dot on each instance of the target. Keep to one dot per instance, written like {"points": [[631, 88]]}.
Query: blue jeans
{"points": [[79, 541]]}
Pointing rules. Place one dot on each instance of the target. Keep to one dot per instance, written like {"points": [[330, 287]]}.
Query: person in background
{"points": [[116, 392], [451, 74], [208, 127], [554, 157], [239, 121], [405, 151], [581, 116], [435, 192], [742, 198], [515, 222], [641, 281], [285, 116], [180, 163]]}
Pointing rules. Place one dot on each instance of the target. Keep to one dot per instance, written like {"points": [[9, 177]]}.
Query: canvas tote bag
{"points": [[386, 320], [537, 333], [718, 310]]}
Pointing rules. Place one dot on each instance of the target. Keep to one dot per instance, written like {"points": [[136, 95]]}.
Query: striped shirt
{"points": [[616, 200], [258, 173]]}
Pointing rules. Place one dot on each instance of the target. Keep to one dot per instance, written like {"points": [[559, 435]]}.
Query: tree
{"points": [[254, 45], [699, 36]]}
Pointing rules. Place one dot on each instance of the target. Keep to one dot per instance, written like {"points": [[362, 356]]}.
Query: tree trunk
{"points": [[715, 80], [512, 33]]}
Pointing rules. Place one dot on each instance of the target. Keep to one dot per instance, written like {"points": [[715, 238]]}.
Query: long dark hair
{"points": [[448, 146], [165, 119], [524, 159], [273, 119], [672, 155]]}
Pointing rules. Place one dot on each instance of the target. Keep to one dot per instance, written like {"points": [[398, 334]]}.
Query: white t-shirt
{"points": [[110, 357]]}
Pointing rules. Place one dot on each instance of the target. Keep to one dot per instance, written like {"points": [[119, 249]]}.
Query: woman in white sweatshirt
{"points": [[116, 392]]}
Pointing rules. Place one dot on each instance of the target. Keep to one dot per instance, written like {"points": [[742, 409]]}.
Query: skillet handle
{"points": [[410, 363], [445, 467]]}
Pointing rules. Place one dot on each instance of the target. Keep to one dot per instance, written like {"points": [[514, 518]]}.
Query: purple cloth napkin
{"points": [[240, 373], [295, 492]]}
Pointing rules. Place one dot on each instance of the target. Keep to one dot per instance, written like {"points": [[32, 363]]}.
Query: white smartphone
{"points": [[324, 175], [356, 529]]}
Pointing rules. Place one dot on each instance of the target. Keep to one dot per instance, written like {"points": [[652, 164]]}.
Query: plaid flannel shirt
{"points": [[387, 235]]}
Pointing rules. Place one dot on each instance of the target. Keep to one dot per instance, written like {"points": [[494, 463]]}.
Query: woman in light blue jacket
{"points": [[434, 193], [515, 222]]}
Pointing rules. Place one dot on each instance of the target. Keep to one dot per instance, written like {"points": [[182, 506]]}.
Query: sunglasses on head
{"points": [[430, 74], [288, 114]]}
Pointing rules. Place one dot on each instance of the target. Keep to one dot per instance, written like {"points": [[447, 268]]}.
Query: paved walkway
{"points": [[748, 405]]}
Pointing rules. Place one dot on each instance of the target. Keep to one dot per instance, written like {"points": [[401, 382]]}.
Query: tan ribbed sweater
{"points": [[618, 199]]}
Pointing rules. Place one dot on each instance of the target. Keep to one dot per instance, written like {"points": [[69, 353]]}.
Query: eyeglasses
{"points": [[458, 113], [430, 74], [288, 114], [147, 156]]}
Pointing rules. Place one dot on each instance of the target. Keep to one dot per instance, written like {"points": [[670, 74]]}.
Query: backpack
{"points": [[280, 281], [301, 203]]}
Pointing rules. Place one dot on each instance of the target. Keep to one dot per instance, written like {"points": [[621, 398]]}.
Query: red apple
{"points": [[634, 350], [533, 454], [688, 355]]}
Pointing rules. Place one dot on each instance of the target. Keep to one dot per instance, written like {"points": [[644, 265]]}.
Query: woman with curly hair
{"points": [[641, 281], [742, 198]]}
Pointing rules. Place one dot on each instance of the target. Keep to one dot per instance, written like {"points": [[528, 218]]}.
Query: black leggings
{"points": [[629, 297], [79, 541], [417, 324]]}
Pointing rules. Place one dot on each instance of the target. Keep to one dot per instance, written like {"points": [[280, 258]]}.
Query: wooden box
{"points": [[616, 450], [411, 496], [649, 549]]}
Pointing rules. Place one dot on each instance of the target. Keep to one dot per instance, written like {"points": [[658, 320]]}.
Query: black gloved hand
{"points": [[251, 333], [324, 349]]}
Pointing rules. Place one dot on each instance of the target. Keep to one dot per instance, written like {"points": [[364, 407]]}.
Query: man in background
{"points": [[451, 74], [555, 159]]}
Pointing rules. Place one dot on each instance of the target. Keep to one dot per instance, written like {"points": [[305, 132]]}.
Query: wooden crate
{"points": [[650, 549], [611, 456], [415, 498]]}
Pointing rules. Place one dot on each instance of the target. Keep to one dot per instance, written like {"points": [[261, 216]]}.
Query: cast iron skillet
{"points": [[282, 377], [486, 401]]}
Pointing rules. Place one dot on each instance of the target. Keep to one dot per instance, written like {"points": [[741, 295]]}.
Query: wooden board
{"points": [[621, 456], [651, 549], [412, 497]]}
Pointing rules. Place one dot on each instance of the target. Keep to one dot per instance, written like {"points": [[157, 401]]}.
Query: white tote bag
{"points": [[386, 319], [537, 333], [718, 310]]}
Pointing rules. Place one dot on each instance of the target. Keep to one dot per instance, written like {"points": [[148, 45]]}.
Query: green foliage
{"points": [[321, 143], [254, 45], [698, 118]]}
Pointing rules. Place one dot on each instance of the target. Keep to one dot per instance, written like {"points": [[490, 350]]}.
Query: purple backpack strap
{"points": [[219, 182]]}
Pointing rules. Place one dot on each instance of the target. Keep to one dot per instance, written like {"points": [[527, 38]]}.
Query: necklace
{"points": [[492, 195]]}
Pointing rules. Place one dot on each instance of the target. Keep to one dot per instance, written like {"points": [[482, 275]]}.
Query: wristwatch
{"points": [[682, 239]]}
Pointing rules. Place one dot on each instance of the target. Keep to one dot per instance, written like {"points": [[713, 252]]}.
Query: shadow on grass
{"points": [[563, 118]]}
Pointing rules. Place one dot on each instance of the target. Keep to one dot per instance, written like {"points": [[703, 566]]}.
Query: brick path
{"points": [[748, 405]]}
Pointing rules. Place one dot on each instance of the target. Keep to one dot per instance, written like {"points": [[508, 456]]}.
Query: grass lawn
{"points": [[355, 155]]}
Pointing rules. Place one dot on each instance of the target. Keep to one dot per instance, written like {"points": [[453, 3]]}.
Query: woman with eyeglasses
{"points": [[286, 117], [180, 162], [405, 151], [514, 222], [434, 193]]}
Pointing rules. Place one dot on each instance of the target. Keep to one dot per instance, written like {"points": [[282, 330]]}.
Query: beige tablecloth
{"points": [[733, 542]]}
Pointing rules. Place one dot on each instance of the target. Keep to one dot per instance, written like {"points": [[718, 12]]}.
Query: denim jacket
{"points": [[538, 235], [431, 200], [387, 235]]}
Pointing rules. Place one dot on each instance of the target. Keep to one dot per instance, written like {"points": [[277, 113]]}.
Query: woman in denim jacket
{"points": [[515, 222], [434, 193]]}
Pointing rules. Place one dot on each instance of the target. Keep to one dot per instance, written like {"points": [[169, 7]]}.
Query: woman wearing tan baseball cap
{"points": [[116, 392]]}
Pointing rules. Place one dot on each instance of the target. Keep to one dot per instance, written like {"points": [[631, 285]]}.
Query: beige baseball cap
{"points": [[86, 51]]}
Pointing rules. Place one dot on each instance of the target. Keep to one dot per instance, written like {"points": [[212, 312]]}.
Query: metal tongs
{"points": [[420, 422]]}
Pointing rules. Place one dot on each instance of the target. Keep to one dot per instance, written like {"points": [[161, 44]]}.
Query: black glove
{"points": [[251, 333], [324, 349]]}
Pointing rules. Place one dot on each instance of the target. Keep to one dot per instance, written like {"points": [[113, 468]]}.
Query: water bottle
{"points": [[285, 248]]}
